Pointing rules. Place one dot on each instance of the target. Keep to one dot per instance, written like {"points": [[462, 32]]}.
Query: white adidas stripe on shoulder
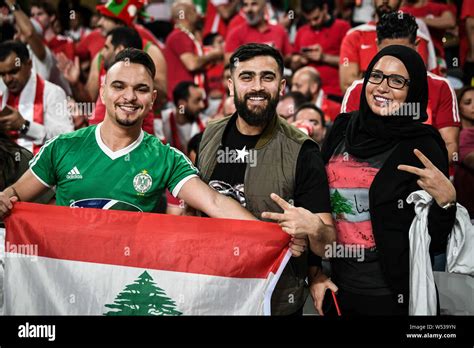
{"points": [[348, 92], [185, 158], [455, 109], [362, 27], [38, 155]]}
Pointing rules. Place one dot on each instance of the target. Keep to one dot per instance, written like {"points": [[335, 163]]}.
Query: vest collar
{"points": [[267, 134]]}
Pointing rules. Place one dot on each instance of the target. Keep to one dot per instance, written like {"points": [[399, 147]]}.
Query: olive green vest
{"points": [[274, 172]]}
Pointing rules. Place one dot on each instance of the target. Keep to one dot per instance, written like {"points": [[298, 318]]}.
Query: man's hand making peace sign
{"points": [[302, 224]]}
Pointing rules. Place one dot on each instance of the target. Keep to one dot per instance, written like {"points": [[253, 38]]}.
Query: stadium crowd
{"points": [[320, 115]]}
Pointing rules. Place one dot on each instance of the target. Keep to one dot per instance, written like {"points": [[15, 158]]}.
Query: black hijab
{"points": [[368, 134]]}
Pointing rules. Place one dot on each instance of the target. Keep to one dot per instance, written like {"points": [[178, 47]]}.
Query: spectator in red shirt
{"points": [[184, 52], [442, 108], [438, 18], [94, 42], [308, 81], [45, 13], [218, 15], [318, 44], [257, 29], [237, 20], [359, 46]]}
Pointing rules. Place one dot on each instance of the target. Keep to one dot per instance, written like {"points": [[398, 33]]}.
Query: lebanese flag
{"points": [[80, 261]]}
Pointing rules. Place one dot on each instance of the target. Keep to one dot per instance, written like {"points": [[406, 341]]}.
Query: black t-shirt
{"points": [[311, 185]]}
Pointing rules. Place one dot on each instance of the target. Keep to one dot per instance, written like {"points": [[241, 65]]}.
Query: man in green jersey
{"points": [[115, 165]]}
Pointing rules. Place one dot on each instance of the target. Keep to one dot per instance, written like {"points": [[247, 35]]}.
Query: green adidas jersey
{"points": [[87, 173]]}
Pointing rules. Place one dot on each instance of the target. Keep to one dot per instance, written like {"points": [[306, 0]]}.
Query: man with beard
{"points": [[183, 121], [360, 46], [318, 44], [257, 29], [255, 153], [115, 165], [308, 81], [32, 108]]}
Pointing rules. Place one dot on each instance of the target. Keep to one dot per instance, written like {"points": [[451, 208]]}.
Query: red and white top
{"points": [[360, 46], [213, 23], [60, 43], [178, 42], [330, 108], [42, 103]]}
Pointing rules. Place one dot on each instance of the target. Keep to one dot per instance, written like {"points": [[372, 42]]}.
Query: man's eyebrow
{"points": [[14, 70], [253, 73], [138, 85], [141, 85]]}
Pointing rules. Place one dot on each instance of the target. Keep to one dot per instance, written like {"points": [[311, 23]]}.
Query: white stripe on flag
{"points": [[82, 288]]}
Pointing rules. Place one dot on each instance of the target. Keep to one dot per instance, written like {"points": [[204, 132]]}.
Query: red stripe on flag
{"points": [[219, 247], [347, 173]]}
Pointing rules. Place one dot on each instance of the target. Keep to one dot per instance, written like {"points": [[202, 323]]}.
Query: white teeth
{"points": [[128, 107], [256, 98], [382, 99]]}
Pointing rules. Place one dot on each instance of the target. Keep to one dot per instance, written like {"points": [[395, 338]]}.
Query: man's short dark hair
{"points": [[298, 97], [181, 91], [125, 36], [46, 6], [133, 55], [313, 107], [252, 50], [397, 25], [308, 6], [12, 46]]}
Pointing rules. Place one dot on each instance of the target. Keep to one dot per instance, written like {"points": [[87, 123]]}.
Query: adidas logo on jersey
{"points": [[74, 174]]}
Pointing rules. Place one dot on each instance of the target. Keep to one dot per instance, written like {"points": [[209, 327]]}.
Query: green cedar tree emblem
{"points": [[143, 297], [340, 205]]}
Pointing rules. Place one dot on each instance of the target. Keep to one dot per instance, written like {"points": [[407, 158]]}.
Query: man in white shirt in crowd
{"points": [[33, 110]]}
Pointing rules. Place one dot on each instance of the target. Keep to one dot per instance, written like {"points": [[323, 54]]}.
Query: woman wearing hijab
{"points": [[375, 157]]}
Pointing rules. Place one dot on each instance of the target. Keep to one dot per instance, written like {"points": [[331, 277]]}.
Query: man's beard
{"points": [[261, 116], [308, 95], [127, 122], [190, 118], [254, 19]]}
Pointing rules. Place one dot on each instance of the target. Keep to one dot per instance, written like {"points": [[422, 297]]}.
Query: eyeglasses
{"points": [[394, 81]]}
